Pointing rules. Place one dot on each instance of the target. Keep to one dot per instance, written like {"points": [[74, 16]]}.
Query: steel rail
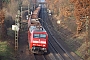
{"points": [[58, 55]]}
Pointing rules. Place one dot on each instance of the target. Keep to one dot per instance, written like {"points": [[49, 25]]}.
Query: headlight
{"points": [[33, 44], [44, 45], [43, 48]]}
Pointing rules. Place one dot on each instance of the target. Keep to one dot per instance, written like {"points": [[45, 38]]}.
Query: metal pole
{"points": [[28, 10], [16, 30], [16, 35], [42, 16], [21, 11], [21, 19], [87, 26]]}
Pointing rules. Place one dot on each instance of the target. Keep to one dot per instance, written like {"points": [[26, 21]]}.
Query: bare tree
{"points": [[2, 16]]}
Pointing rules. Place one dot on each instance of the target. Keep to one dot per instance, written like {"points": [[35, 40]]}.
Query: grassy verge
{"points": [[5, 51]]}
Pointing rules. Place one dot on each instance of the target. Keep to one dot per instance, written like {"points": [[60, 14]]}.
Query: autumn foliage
{"points": [[59, 7], [81, 10], [62, 8]]}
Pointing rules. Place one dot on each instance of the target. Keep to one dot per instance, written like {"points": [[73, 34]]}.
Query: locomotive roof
{"points": [[36, 29]]}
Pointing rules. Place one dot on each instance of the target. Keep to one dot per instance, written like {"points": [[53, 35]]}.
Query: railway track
{"points": [[39, 57], [68, 52], [62, 53], [65, 55], [63, 36], [57, 56], [49, 56]]}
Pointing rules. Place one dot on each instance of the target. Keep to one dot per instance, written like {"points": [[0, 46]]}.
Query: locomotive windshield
{"points": [[39, 36]]}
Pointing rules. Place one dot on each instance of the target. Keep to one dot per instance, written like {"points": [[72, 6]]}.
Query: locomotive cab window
{"points": [[39, 36], [36, 36], [42, 35]]}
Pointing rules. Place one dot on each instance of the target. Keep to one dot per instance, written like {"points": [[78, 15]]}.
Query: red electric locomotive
{"points": [[38, 39]]}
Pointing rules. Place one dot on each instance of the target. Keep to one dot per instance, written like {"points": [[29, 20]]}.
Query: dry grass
{"points": [[6, 52]]}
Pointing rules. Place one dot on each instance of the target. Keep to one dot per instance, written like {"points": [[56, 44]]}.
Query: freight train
{"points": [[37, 35]]}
